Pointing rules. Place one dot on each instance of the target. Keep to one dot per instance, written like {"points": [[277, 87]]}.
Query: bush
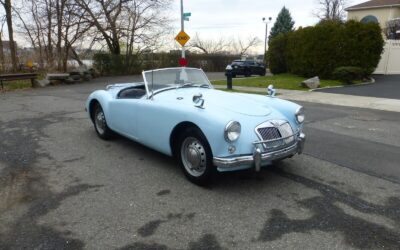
{"points": [[108, 64], [276, 56], [348, 74], [319, 50]]}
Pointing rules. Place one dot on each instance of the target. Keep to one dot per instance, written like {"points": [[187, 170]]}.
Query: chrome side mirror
{"points": [[271, 91], [198, 101]]}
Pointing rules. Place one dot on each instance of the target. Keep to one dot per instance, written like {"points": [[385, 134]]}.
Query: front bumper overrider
{"points": [[259, 158]]}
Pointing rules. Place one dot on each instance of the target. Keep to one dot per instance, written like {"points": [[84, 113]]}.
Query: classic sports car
{"points": [[177, 111]]}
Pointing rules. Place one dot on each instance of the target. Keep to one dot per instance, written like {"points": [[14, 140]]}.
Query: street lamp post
{"points": [[266, 37]]}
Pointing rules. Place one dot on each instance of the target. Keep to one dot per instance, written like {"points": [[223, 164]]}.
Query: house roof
{"points": [[375, 4]]}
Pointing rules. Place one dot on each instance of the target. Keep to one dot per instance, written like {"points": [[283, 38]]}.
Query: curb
{"points": [[345, 86]]}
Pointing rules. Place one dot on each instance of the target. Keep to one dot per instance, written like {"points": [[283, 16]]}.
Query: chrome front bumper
{"points": [[260, 158]]}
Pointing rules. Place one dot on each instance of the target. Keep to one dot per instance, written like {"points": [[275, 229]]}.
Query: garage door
{"points": [[390, 61]]}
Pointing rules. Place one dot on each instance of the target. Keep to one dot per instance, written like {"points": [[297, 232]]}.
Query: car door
{"points": [[253, 68], [123, 116], [155, 121]]}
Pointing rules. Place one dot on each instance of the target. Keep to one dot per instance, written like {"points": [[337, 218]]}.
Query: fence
{"points": [[390, 60]]}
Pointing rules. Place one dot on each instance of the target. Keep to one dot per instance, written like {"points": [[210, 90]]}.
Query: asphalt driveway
{"points": [[385, 87], [61, 187]]}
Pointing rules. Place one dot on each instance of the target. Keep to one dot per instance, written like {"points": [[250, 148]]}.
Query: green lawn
{"points": [[20, 84], [282, 81]]}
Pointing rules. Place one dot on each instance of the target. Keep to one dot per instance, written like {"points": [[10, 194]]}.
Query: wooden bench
{"points": [[14, 77]]}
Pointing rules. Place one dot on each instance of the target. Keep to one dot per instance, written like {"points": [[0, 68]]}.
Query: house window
{"points": [[369, 19]]}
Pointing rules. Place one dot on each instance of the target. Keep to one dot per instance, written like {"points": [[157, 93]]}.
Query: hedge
{"points": [[108, 64], [348, 74], [319, 50]]}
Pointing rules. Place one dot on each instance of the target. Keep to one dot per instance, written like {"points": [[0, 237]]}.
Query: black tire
{"points": [[192, 140], [100, 123], [262, 73]]}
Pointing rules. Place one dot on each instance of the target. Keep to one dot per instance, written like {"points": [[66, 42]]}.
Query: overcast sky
{"points": [[214, 18], [237, 18]]}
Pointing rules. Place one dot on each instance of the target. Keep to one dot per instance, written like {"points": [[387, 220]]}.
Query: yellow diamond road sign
{"points": [[182, 38]]}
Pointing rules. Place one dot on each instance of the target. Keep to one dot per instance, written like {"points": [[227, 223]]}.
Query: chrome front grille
{"points": [[275, 134], [269, 133]]}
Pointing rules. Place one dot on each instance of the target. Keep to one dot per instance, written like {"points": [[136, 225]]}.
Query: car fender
{"points": [[103, 97]]}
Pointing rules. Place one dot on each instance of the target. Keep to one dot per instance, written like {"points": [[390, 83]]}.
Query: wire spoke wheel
{"points": [[100, 121]]}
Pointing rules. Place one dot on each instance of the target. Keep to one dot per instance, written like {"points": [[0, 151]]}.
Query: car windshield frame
{"points": [[149, 85]]}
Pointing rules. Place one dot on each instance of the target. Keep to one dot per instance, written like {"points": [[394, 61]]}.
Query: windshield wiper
{"points": [[186, 85], [189, 84]]}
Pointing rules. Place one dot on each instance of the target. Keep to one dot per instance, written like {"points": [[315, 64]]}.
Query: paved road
{"points": [[384, 87], [62, 187]]}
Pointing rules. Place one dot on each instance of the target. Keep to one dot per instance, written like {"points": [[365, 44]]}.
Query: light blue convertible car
{"points": [[177, 111]]}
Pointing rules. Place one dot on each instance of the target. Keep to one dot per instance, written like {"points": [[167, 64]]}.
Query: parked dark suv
{"points": [[247, 68]]}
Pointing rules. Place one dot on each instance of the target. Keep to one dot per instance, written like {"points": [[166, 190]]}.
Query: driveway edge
{"points": [[345, 86]]}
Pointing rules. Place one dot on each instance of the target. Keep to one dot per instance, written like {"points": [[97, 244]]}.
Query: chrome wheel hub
{"points": [[193, 156], [100, 121]]}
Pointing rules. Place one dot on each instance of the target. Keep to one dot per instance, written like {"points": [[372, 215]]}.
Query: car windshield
{"points": [[157, 80]]}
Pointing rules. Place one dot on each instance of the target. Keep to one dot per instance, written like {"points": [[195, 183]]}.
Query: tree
{"points": [[392, 29], [105, 16], [331, 10], [134, 21], [210, 46], [2, 63], [7, 7], [284, 23], [242, 47]]}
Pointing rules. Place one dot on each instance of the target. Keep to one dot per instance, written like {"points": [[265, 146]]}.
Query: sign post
{"points": [[182, 28], [182, 38]]}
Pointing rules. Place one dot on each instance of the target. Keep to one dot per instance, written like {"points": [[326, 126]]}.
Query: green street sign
{"points": [[188, 14], [186, 18]]}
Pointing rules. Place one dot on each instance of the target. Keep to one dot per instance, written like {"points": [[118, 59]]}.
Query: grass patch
{"points": [[19, 84], [282, 81]]}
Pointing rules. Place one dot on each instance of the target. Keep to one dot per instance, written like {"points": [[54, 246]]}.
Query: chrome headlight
{"points": [[232, 131], [300, 116]]}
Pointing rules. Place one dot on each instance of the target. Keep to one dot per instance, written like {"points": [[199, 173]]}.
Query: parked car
{"points": [[247, 68], [176, 111]]}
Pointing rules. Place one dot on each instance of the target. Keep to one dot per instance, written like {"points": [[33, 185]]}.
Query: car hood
{"points": [[233, 102], [237, 103]]}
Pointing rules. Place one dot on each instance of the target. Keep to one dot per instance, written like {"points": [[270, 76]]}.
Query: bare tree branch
{"points": [[210, 46], [242, 47], [331, 9]]}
